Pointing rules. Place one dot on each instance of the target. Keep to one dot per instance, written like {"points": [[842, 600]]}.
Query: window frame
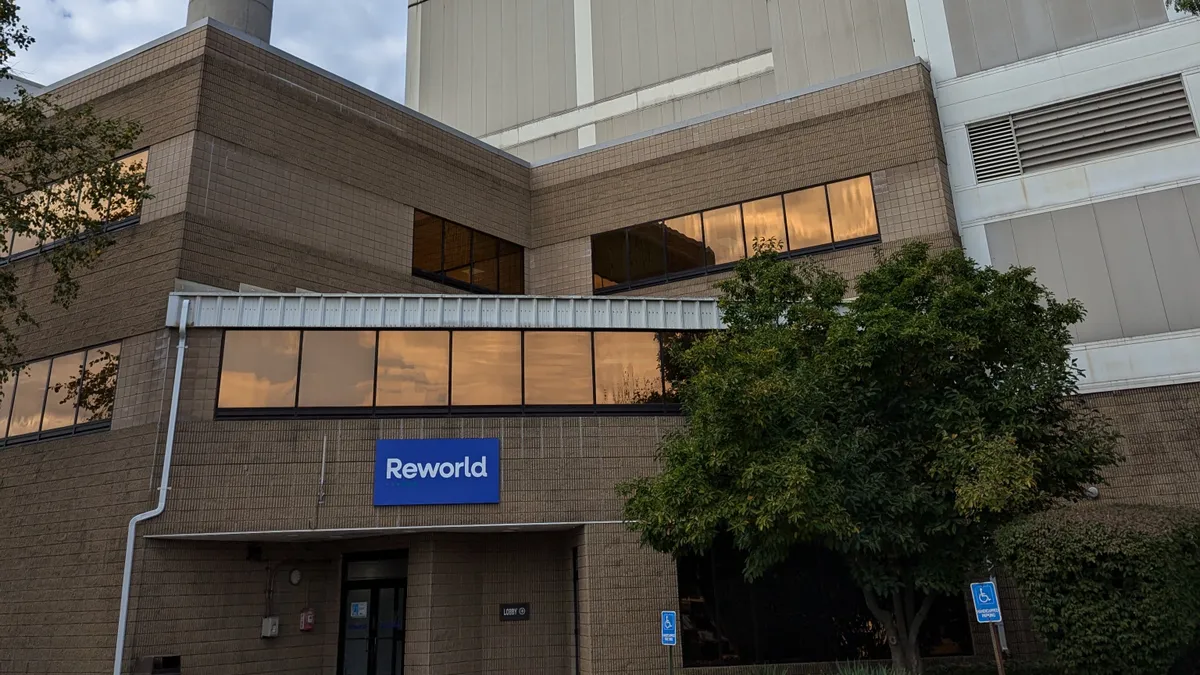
{"points": [[70, 430], [108, 228], [441, 277], [664, 407], [708, 270]]}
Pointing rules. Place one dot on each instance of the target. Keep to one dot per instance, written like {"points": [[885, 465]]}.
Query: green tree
{"points": [[897, 430], [58, 183], [1192, 6]]}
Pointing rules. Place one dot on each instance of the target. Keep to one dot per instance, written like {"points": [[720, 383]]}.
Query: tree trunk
{"points": [[902, 624]]}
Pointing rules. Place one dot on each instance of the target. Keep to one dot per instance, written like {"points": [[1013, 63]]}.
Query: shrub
{"points": [[1112, 589]]}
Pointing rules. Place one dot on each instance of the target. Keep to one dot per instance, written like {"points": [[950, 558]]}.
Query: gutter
{"points": [[168, 451]]}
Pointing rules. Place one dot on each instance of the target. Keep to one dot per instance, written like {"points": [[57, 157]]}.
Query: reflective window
{"points": [[712, 241], [98, 391], [609, 259], [459, 256], [487, 368], [113, 214], [685, 245], [66, 376], [852, 209], [414, 368], [558, 368], [647, 255], [29, 398], [337, 368], [427, 242], [258, 369], [627, 368], [763, 220], [723, 234], [807, 219]]}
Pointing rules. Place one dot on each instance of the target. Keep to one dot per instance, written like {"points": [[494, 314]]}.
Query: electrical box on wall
{"points": [[270, 626]]}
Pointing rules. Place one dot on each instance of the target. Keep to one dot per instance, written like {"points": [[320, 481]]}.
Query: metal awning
{"points": [[373, 311]]}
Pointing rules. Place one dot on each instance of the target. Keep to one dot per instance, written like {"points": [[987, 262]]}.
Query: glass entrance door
{"points": [[372, 631]]}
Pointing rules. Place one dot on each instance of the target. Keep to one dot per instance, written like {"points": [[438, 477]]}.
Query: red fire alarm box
{"points": [[307, 618]]}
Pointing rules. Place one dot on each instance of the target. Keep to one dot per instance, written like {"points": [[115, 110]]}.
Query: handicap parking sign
{"points": [[987, 603], [670, 628]]}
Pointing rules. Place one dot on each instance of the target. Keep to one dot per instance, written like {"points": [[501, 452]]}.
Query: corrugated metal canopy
{"points": [[277, 310]]}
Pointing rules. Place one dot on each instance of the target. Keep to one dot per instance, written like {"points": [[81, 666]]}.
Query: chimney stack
{"points": [[252, 17]]}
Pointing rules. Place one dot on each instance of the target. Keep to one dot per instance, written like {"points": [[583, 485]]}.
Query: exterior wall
{"points": [[637, 43], [486, 65], [815, 41], [819, 137], [1133, 262], [990, 33]]}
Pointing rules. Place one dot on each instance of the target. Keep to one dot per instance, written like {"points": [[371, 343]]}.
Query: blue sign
{"points": [[437, 471], [987, 603], [670, 628]]}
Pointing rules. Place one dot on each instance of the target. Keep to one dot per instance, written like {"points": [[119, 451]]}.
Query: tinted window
{"points": [[807, 219], [337, 368], [99, 389], [29, 397], [627, 370], [852, 208], [685, 245], [458, 253], [66, 376], [723, 234], [558, 368], [764, 222], [427, 242], [485, 271], [414, 368], [487, 368], [512, 268], [647, 255], [608, 259], [258, 369]]}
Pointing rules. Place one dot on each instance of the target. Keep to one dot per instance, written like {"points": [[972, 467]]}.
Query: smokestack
{"points": [[252, 17]]}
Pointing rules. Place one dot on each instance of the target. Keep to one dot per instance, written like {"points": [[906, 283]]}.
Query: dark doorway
{"points": [[374, 590]]}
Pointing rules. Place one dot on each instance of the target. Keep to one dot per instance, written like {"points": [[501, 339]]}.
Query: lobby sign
{"points": [[437, 471]]}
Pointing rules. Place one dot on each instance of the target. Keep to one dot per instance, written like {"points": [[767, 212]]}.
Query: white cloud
{"points": [[363, 41]]}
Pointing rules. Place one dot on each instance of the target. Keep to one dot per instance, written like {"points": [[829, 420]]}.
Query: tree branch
{"points": [[926, 605]]}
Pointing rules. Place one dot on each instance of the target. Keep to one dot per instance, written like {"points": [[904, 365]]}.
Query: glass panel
{"points": [[386, 612], [401, 607], [852, 205], [414, 368], [764, 221], [356, 614], [355, 659], [512, 268], [647, 257], [685, 245], [337, 368], [723, 234], [385, 657], [807, 218], [427, 242], [458, 252], [486, 367], [100, 383], [258, 369], [608, 259], [485, 275], [24, 242], [383, 568], [6, 391], [558, 368], [627, 369], [27, 403], [66, 379]]}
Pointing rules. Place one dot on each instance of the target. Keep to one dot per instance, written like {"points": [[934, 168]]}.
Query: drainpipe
{"points": [[127, 580]]}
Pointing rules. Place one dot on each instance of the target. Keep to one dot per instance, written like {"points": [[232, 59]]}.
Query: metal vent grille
{"points": [[994, 149], [1073, 131]]}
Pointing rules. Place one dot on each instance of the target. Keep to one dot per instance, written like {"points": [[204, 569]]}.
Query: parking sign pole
{"points": [[996, 648], [671, 660]]}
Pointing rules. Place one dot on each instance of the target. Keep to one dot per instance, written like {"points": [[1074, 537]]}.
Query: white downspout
{"points": [[127, 580]]}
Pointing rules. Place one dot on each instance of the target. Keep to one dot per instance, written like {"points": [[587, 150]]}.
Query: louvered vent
{"points": [[1073, 131], [994, 149]]}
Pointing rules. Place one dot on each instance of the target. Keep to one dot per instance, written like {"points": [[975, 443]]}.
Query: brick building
{"points": [[354, 272]]}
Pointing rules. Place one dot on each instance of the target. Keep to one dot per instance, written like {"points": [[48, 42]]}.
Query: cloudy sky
{"points": [[361, 40]]}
